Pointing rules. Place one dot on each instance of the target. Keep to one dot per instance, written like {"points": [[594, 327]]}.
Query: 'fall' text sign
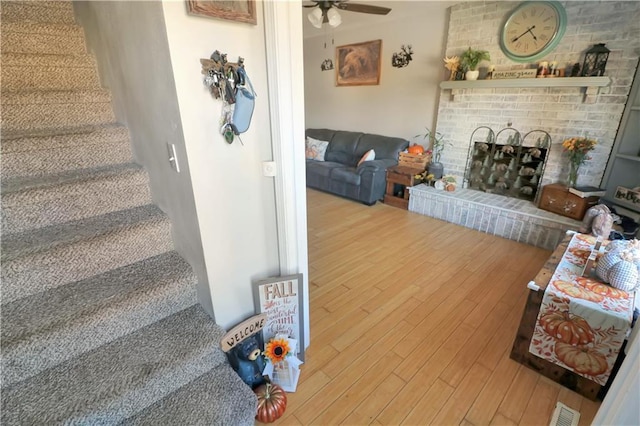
{"points": [[281, 299]]}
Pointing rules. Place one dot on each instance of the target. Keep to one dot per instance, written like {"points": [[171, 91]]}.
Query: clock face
{"points": [[532, 30]]}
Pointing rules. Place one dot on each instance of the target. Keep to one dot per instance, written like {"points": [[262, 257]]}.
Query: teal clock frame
{"points": [[562, 26]]}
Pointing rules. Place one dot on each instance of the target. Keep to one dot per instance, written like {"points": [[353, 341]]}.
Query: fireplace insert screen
{"points": [[506, 163]]}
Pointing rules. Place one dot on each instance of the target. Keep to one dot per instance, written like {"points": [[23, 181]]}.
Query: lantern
{"points": [[595, 60]]}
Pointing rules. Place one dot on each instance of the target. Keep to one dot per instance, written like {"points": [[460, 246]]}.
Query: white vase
{"points": [[471, 75]]}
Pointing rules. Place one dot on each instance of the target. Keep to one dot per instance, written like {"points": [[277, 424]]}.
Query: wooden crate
{"points": [[414, 161]]}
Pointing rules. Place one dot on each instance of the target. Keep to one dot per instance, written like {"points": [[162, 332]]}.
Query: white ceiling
{"points": [[351, 20]]}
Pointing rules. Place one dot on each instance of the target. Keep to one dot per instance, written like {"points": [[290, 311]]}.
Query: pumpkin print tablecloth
{"points": [[582, 322]]}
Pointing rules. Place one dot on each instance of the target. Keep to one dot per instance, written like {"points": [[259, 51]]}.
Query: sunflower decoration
{"points": [[277, 349]]}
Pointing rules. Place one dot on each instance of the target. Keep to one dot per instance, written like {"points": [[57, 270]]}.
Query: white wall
{"points": [[405, 101], [559, 111], [130, 44], [234, 202]]}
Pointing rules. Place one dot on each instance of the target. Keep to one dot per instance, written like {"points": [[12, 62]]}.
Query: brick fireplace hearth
{"points": [[511, 218]]}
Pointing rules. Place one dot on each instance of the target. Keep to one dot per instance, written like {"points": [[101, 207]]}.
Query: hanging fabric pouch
{"points": [[245, 102]]}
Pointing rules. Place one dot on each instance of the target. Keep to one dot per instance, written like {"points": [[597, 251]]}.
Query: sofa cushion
{"points": [[322, 168], [315, 149], [367, 156], [346, 175], [320, 134], [345, 143], [384, 146]]}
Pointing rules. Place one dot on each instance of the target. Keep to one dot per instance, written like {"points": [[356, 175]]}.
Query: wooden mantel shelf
{"points": [[592, 84]]}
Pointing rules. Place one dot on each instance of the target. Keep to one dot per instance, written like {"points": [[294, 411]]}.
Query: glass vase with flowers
{"points": [[577, 149]]}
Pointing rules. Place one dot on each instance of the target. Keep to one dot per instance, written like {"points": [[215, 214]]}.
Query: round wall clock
{"points": [[532, 30]]}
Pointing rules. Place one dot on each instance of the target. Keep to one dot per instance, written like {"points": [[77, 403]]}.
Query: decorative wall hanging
{"points": [[229, 82], [238, 10], [358, 64], [402, 58], [326, 65]]}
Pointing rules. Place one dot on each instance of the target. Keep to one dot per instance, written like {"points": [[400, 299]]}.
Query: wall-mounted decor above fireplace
{"points": [[506, 163]]}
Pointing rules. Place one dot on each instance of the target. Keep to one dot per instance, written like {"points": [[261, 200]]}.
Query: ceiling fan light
{"points": [[315, 17], [334, 17]]}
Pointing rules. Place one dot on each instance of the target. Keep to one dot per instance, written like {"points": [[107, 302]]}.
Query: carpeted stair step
{"points": [[70, 320], [48, 72], [117, 380], [68, 149], [60, 12], [218, 397], [143, 234], [43, 39], [33, 110], [43, 201]]}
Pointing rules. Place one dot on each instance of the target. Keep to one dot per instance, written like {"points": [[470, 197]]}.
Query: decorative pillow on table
{"points": [[368, 156], [315, 149]]}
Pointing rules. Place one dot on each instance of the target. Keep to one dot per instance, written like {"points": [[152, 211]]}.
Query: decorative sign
{"points": [[515, 74], [280, 298], [241, 331]]}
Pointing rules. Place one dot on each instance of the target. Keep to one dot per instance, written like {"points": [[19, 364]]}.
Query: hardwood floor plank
{"points": [[462, 362], [368, 409], [359, 391], [412, 321], [541, 404], [430, 404], [456, 407], [486, 404], [518, 394]]}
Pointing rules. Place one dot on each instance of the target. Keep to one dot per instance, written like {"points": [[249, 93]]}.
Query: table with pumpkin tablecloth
{"points": [[582, 322]]}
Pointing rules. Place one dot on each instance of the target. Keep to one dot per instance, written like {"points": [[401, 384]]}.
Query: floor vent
{"points": [[564, 416]]}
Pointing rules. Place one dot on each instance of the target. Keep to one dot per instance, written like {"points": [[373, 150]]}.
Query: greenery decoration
{"points": [[471, 58]]}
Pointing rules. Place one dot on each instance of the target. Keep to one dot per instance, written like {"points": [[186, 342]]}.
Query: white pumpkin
{"points": [[620, 266]]}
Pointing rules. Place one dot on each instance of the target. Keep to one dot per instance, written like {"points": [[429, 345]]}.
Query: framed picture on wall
{"points": [[281, 299], [237, 10], [359, 64]]}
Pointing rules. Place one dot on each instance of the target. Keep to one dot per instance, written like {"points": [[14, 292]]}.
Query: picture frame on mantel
{"points": [[238, 10], [281, 299], [359, 64]]}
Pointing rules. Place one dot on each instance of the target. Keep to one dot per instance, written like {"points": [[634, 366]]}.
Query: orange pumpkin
{"points": [[415, 149], [582, 359], [603, 289], [272, 401], [577, 291], [572, 330]]}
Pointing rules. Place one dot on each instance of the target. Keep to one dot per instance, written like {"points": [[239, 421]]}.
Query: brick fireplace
{"points": [[560, 111]]}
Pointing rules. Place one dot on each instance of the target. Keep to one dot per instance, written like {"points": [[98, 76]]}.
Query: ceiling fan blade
{"points": [[363, 8]]}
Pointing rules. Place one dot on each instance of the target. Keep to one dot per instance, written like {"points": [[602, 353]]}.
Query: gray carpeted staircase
{"points": [[100, 323]]}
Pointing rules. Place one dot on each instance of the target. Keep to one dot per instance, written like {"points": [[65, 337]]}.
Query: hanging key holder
{"points": [[222, 78]]}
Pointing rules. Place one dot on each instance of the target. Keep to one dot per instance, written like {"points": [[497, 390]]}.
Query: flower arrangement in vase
{"points": [[577, 149]]}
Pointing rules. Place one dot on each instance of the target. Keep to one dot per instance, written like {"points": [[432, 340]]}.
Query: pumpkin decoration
{"points": [[581, 359], [620, 266], [576, 291], [603, 289], [272, 401], [572, 330], [416, 149]]}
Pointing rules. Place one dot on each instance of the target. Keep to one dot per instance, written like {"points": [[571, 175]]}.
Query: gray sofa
{"points": [[339, 173]]}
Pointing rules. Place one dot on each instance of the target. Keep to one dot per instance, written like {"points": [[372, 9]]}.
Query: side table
{"points": [[399, 178]]}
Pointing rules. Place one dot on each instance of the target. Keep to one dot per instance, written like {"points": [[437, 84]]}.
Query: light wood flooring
{"points": [[412, 322]]}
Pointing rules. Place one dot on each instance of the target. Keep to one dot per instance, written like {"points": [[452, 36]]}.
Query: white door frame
{"points": [[283, 39]]}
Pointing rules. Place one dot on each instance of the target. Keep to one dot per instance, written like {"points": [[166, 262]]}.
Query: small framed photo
{"points": [[238, 10], [281, 299], [359, 64]]}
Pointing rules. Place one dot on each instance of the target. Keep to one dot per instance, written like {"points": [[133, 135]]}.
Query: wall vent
{"points": [[564, 416]]}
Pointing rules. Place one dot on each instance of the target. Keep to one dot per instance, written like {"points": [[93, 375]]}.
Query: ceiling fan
{"points": [[325, 11]]}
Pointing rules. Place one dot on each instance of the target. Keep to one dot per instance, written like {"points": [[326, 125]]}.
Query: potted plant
{"points": [[470, 60], [437, 142]]}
